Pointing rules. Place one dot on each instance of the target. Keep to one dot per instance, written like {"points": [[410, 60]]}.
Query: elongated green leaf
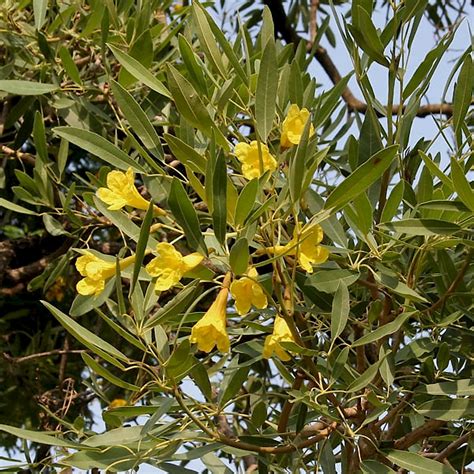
{"points": [[382, 331], [119, 457], [340, 310], [462, 96], [246, 201], [459, 387], [26, 87], [239, 256], [186, 154], [364, 379], [447, 410], [140, 72], [177, 305], [461, 184], [328, 280], [233, 380], [69, 65], [298, 164], [82, 334], [137, 119], [102, 372], [142, 245], [118, 436], [422, 227], [375, 467], [207, 40], [98, 146], [38, 437], [393, 202], [185, 214], [16, 208], [188, 101], [40, 7], [267, 87], [219, 198], [364, 176], [417, 464]]}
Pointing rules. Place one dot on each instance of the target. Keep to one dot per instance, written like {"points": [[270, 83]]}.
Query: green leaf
{"points": [[185, 214], [363, 380], [463, 387], [233, 381], [207, 40], [121, 458], [83, 304], [299, 163], [137, 119], [422, 227], [40, 8], [375, 467], [186, 154], [340, 310], [180, 362], [219, 198], [461, 184], [246, 201], [188, 101], [140, 72], [239, 256], [462, 96], [118, 436], [27, 87], [38, 437], [98, 146], [393, 202], [69, 65], [447, 410], [367, 38], [434, 170], [266, 93], [385, 330], [142, 245], [416, 463], [16, 208], [413, 8], [83, 335], [328, 280], [102, 372], [176, 306], [360, 180]]}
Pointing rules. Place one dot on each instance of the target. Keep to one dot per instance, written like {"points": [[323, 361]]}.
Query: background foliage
{"points": [[380, 378]]}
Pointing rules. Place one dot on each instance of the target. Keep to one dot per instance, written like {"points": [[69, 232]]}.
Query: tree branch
{"points": [[284, 28], [420, 433]]}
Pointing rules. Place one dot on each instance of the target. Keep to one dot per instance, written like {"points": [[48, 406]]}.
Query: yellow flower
{"points": [[247, 292], [211, 330], [96, 271], [121, 191], [118, 402], [305, 246], [170, 266], [293, 126], [281, 333], [255, 162]]}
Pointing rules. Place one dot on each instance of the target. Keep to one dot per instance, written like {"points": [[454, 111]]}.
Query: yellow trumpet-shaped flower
{"points": [[247, 292], [211, 329], [118, 402], [293, 126], [170, 266], [95, 271], [281, 333], [255, 159], [121, 191], [305, 245]]}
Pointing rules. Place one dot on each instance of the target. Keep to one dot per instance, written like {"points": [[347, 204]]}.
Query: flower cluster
{"points": [[169, 266]]}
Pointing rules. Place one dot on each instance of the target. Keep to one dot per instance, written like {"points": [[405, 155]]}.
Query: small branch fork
{"points": [[288, 33]]}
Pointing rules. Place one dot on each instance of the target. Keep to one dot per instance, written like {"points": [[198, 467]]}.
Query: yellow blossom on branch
{"points": [[293, 126], [96, 271], [121, 191], [247, 292], [170, 266], [281, 333], [305, 246], [211, 329], [255, 159], [117, 403]]}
